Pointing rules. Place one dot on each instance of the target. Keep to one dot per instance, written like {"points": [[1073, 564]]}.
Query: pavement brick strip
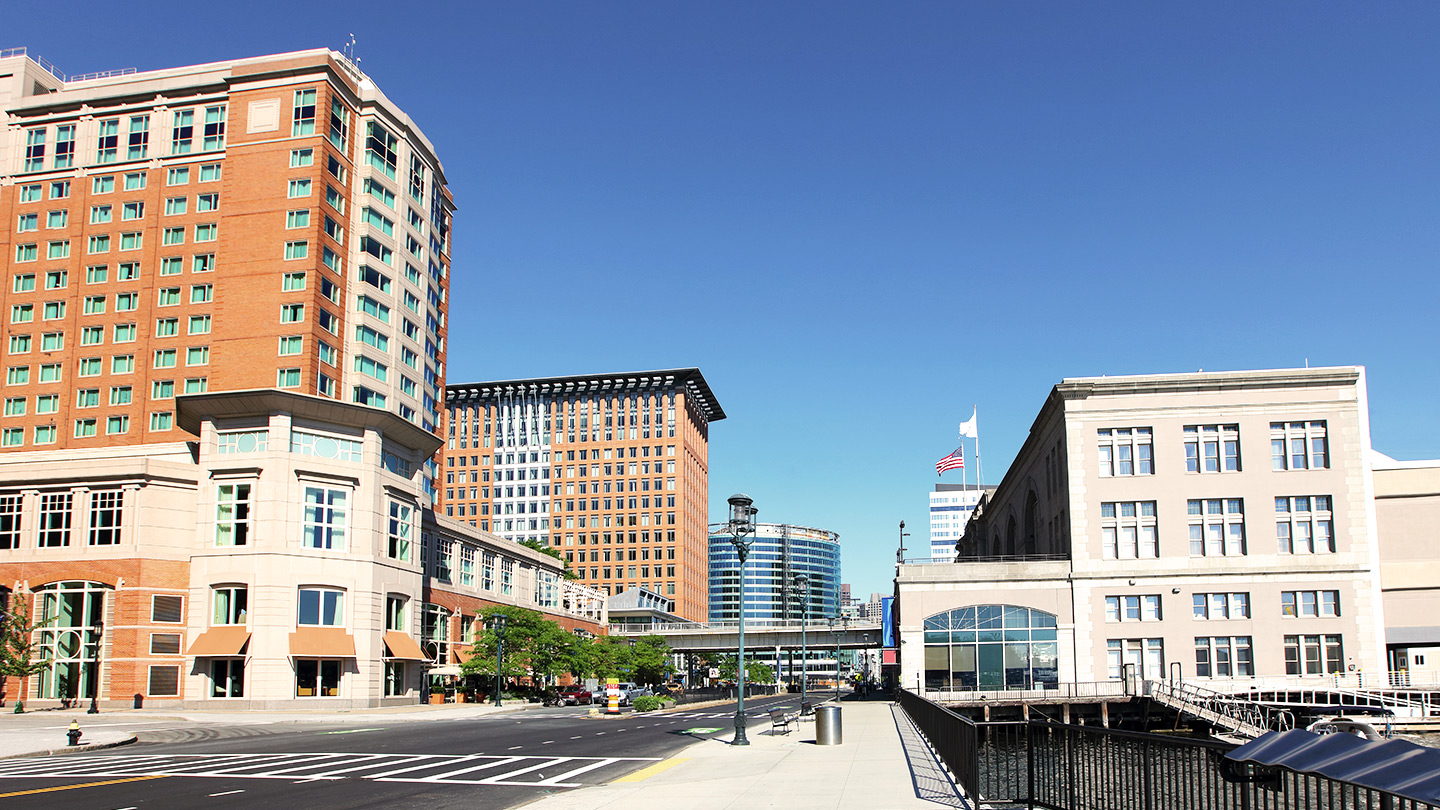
{"points": [[452, 769]]}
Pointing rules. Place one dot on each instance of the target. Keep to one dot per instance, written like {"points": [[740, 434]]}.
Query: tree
{"points": [[17, 651], [755, 671], [536, 545], [534, 646], [651, 659], [612, 657]]}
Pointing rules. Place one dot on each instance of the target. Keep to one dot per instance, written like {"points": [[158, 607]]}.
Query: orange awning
{"points": [[463, 652], [322, 642], [402, 647], [220, 641]]}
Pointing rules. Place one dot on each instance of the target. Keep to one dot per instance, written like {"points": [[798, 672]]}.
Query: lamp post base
{"points": [[740, 738]]}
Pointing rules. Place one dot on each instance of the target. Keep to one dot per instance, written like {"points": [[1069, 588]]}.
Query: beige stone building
{"points": [[286, 556], [1211, 526], [1407, 510]]}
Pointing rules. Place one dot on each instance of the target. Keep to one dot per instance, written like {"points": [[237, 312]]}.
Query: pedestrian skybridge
{"points": [[761, 633]]}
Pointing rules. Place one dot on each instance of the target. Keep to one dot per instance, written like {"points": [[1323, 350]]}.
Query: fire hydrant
{"points": [[74, 732]]}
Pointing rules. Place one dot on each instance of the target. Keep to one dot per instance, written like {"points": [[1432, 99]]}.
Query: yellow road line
{"points": [[73, 787], [659, 767]]}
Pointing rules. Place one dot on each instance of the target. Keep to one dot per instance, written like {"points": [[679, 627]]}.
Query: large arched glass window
{"points": [[69, 617], [991, 647]]}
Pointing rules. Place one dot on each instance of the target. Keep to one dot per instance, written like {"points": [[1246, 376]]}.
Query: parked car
{"points": [[575, 695], [630, 691], [672, 689]]}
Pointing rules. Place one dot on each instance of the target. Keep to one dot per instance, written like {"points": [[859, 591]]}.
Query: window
{"points": [[55, 516], [52, 341], [116, 425], [1212, 448], [196, 385], [126, 302], [293, 281], [210, 173], [97, 274], [339, 124], [232, 516], [298, 249], [54, 310], [371, 368], [202, 263], [324, 522], [303, 120], [24, 282], [380, 149], [85, 428], [214, 128], [292, 344], [127, 271], [297, 219], [1224, 657], [377, 220], [59, 249], [378, 249], [197, 356], [60, 190], [317, 677], [232, 605], [57, 219], [1128, 530], [162, 389], [1298, 446], [131, 211], [375, 279], [135, 181], [1304, 525], [47, 403], [174, 206], [299, 188], [301, 157], [15, 406], [173, 265], [334, 199], [45, 434], [171, 236], [50, 372], [99, 243], [167, 327], [168, 297], [321, 607], [107, 145], [1146, 656], [17, 375], [199, 324], [1309, 604], [292, 313], [27, 222], [378, 190], [241, 441], [332, 165], [372, 307], [206, 232], [160, 420], [34, 150], [64, 146], [400, 531], [1220, 605], [202, 293], [30, 193], [182, 133], [120, 394], [331, 259], [165, 358], [105, 518], [103, 185], [56, 280], [124, 333], [138, 143], [1217, 527], [227, 677], [507, 575], [10, 519], [19, 344], [332, 230], [178, 176], [122, 364], [1132, 608], [1314, 655], [26, 252], [287, 378]]}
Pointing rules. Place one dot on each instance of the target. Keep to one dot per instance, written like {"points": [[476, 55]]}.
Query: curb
{"points": [[74, 749]]}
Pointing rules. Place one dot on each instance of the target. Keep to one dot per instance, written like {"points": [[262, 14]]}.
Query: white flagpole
{"points": [[979, 468]]}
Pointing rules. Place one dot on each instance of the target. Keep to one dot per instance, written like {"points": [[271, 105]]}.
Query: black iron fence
{"points": [[1042, 764], [700, 694]]}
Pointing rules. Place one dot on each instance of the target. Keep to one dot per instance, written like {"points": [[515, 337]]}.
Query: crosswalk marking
{"points": [[462, 769]]}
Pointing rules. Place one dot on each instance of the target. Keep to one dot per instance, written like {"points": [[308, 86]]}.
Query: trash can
{"points": [[827, 725]]}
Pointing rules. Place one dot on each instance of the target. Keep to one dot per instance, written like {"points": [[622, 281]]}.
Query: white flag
{"points": [[967, 428]]}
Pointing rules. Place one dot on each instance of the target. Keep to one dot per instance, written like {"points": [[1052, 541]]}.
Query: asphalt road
{"points": [[497, 761]]}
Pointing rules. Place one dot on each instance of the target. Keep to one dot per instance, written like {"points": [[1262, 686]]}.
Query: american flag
{"points": [[954, 461]]}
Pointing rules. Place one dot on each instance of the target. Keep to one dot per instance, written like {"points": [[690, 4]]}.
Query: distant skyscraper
{"points": [[846, 600], [779, 553], [950, 508]]}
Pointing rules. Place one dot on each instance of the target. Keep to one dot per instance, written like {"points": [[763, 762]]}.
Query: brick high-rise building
{"points": [[224, 333], [610, 469], [272, 222]]}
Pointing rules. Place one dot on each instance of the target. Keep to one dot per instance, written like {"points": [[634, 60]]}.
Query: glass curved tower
{"points": [[780, 552]]}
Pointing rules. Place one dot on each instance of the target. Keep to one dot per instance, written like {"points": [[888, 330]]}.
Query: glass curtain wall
{"points": [[991, 647]]}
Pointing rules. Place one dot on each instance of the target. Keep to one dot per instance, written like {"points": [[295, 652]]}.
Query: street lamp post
{"points": [[740, 526], [95, 676], [802, 583], [844, 623], [499, 624]]}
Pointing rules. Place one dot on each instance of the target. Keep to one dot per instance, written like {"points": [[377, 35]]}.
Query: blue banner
{"points": [[887, 621]]}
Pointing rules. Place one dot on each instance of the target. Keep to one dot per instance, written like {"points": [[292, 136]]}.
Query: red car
{"points": [[575, 695]]}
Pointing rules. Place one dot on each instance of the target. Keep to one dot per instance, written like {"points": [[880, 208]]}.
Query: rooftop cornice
{"points": [[1072, 388], [192, 409], [690, 379]]}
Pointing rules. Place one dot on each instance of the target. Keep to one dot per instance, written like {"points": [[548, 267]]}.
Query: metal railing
{"points": [[1068, 767], [1237, 715], [1065, 690], [750, 625]]}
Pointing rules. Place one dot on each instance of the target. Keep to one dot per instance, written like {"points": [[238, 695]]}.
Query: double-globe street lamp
{"points": [[740, 526], [802, 586], [95, 671], [844, 627]]}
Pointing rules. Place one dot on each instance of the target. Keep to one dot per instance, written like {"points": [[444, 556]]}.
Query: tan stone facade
{"points": [[1407, 511], [267, 565], [610, 469], [1217, 526]]}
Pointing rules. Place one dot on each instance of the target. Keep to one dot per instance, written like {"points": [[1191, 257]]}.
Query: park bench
{"points": [[780, 720]]}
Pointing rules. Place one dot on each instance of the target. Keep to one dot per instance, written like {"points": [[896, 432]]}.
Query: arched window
{"points": [[70, 617], [991, 648], [1010, 547]]}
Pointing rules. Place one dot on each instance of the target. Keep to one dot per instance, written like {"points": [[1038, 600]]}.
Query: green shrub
{"points": [[648, 703]]}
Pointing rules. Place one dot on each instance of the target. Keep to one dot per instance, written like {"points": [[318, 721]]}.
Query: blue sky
{"points": [[861, 219]]}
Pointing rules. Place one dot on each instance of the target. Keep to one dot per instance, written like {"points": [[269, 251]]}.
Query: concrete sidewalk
{"points": [[882, 763]]}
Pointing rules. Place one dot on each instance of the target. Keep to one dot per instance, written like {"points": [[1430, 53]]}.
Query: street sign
{"points": [[714, 672]]}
